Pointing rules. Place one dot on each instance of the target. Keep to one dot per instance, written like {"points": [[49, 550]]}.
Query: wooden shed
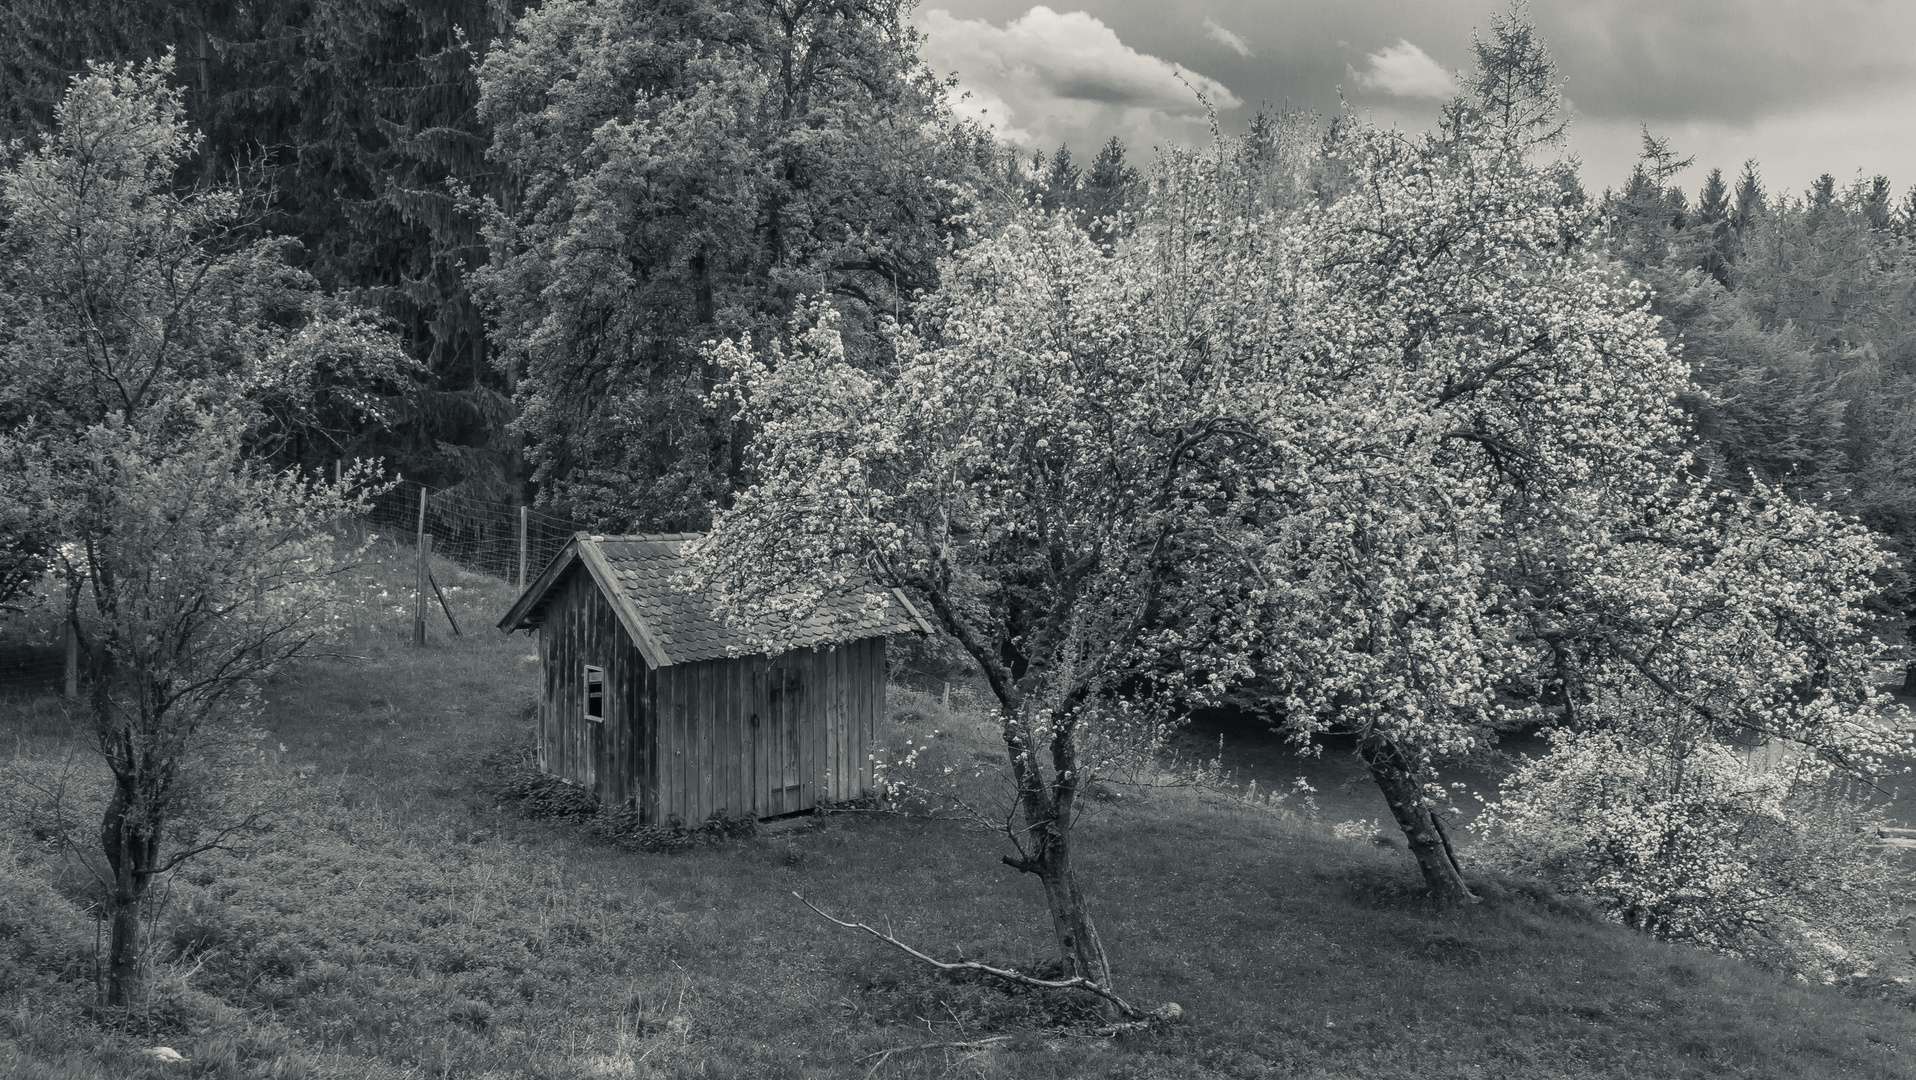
{"points": [[644, 703]]}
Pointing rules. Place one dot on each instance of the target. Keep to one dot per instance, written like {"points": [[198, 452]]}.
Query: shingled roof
{"points": [[673, 626]]}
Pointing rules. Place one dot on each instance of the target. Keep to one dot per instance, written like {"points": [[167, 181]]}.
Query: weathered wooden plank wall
{"points": [[689, 740], [609, 757]]}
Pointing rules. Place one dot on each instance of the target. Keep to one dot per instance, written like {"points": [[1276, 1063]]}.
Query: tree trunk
{"points": [[1423, 831], [1047, 809], [131, 847], [1079, 947], [123, 943], [1909, 669]]}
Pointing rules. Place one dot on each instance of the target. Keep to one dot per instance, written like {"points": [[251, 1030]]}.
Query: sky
{"points": [[1803, 87]]}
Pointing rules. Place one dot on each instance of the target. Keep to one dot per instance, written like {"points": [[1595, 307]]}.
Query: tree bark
{"points": [[1079, 946], [1909, 669], [1047, 811], [131, 848], [1423, 832]]}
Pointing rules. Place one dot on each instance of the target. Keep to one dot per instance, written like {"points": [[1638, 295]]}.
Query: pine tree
{"points": [[1751, 202], [1109, 185], [1651, 210], [1713, 199], [1873, 202], [1514, 88], [1713, 215], [1058, 181]]}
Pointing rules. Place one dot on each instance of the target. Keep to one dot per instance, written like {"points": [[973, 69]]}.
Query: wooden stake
{"points": [[443, 606], [419, 589], [336, 472], [523, 513]]}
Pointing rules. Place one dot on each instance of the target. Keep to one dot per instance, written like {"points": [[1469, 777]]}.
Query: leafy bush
{"points": [[1692, 840]]}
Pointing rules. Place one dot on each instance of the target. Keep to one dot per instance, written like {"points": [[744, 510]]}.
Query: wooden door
{"points": [[784, 708]]}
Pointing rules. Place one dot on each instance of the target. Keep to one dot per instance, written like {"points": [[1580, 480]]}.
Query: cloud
{"points": [[1731, 60], [1404, 70], [1047, 77], [1226, 38]]}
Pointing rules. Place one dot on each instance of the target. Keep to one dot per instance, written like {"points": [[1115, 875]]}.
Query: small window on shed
{"points": [[594, 693]]}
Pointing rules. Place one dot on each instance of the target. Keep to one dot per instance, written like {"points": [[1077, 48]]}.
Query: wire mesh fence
{"points": [[499, 539]]}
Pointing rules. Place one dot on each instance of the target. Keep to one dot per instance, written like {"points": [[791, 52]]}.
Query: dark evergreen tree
{"points": [[357, 114], [1874, 203], [691, 171], [1750, 199], [1058, 180], [1108, 187], [1645, 216], [1713, 200], [1713, 222]]}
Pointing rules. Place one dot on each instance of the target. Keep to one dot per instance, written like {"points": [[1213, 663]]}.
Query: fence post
{"points": [[420, 587], [336, 472], [523, 513], [424, 543]]}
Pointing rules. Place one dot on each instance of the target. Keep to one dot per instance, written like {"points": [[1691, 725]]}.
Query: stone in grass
{"points": [[165, 1054]]}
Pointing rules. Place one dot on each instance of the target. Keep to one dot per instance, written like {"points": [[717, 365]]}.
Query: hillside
{"points": [[400, 921]]}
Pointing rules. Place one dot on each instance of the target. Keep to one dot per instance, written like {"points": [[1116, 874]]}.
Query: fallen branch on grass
{"points": [[1170, 1011]]}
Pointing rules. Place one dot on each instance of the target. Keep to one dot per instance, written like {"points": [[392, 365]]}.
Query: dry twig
{"points": [[972, 1044]]}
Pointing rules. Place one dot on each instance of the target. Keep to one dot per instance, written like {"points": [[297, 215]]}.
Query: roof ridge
{"points": [[604, 537], [643, 575]]}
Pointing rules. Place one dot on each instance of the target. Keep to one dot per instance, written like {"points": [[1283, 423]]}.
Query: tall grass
{"points": [[401, 922]]}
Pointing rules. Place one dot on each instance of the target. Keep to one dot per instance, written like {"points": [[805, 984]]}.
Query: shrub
{"points": [[1691, 840]]}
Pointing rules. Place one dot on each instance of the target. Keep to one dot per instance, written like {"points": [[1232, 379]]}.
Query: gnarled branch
{"points": [[1077, 982]]}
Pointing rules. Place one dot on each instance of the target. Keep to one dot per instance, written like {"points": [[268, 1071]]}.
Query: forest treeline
{"points": [[423, 158], [760, 153]]}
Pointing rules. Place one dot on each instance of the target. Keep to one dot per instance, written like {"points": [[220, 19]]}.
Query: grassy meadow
{"points": [[400, 921]]}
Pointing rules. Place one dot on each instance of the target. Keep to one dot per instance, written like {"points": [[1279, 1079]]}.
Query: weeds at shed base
{"points": [[512, 777]]}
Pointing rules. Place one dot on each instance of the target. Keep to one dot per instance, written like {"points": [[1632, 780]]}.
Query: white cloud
{"points": [[1404, 70], [1226, 38], [1046, 77]]}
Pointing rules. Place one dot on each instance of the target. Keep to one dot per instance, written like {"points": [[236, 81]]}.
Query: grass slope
{"points": [[399, 924]]}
